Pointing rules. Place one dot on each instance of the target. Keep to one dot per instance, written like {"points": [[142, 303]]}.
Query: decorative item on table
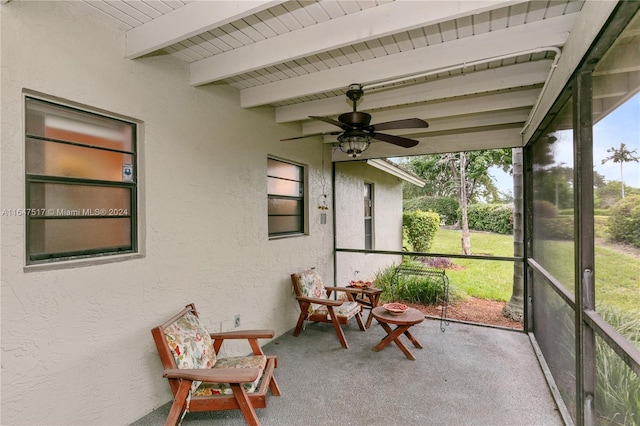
{"points": [[395, 308], [360, 284]]}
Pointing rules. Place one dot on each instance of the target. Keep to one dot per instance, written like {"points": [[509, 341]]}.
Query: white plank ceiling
{"points": [[472, 69]]}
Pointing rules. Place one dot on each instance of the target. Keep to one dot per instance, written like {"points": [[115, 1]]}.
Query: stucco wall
{"points": [[76, 342], [387, 220]]}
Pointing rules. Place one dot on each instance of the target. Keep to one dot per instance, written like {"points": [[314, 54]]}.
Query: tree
{"points": [[515, 308], [621, 155], [464, 175], [609, 194]]}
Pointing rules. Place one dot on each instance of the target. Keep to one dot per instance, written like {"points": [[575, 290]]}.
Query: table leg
{"points": [[393, 336], [373, 299], [413, 339]]}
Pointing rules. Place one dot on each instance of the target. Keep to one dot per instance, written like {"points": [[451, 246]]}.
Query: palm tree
{"points": [[621, 155]]}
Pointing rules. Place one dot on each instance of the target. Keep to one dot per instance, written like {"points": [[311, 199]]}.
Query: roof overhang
{"points": [[388, 167]]}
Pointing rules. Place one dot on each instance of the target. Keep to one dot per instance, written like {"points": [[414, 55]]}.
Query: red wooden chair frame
{"points": [[332, 317], [180, 380]]}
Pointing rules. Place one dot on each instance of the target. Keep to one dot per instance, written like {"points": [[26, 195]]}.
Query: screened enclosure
{"points": [[581, 306], [578, 310]]}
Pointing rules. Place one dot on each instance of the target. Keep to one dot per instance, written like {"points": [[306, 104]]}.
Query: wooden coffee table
{"points": [[403, 322]]}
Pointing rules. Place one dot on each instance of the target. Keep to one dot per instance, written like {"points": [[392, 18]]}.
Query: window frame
{"points": [[368, 238], [63, 259], [302, 199]]}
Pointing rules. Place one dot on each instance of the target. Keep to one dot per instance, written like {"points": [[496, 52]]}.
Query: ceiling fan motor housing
{"points": [[355, 119]]}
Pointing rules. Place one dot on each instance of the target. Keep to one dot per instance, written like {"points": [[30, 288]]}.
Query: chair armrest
{"points": [[213, 375], [326, 302], [251, 336], [244, 334]]}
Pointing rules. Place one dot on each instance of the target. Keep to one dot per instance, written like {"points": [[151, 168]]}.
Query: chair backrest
{"points": [[183, 342], [308, 283]]}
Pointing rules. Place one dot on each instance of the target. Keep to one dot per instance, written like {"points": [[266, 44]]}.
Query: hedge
{"points": [[496, 218], [446, 207]]}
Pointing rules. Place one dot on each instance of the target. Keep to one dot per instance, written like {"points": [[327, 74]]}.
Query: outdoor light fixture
{"points": [[354, 144]]}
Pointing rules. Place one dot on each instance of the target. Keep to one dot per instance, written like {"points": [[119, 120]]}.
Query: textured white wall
{"points": [[387, 220], [76, 343]]}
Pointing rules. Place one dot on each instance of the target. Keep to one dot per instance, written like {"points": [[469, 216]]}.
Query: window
{"points": [[80, 183], [368, 216], [285, 189]]}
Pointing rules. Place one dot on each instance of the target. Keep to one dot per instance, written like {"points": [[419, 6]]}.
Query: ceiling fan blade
{"points": [[396, 140], [311, 135], [408, 123], [343, 126]]}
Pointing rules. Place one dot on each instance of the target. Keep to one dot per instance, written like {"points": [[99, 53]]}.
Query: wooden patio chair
{"points": [[316, 305], [200, 381]]}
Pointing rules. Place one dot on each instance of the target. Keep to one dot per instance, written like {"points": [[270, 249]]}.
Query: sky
{"points": [[620, 126]]}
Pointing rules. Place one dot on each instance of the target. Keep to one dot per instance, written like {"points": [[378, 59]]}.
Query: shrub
{"points": [[491, 217], [624, 222], [383, 280], [446, 207], [419, 289], [420, 228], [554, 228], [596, 212], [409, 288], [617, 385], [544, 209], [438, 262]]}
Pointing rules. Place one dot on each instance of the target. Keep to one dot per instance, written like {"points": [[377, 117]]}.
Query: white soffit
{"points": [[388, 167]]}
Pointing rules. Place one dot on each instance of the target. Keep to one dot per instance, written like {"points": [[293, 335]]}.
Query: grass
{"points": [[484, 279], [617, 280], [617, 274]]}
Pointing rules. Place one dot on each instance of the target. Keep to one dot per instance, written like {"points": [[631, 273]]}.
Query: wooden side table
{"points": [[403, 322], [368, 297]]}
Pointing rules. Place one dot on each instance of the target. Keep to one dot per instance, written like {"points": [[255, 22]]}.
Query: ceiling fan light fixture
{"points": [[354, 145]]}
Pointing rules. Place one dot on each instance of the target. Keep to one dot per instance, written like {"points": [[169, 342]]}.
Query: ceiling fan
{"points": [[357, 132]]}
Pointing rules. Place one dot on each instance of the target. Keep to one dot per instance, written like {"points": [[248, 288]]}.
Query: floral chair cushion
{"points": [[310, 285], [190, 344], [253, 361], [347, 309], [192, 347]]}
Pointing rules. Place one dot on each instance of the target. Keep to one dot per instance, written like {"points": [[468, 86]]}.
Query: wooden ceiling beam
{"points": [[486, 81], [548, 32], [185, 22], [368, 24]]}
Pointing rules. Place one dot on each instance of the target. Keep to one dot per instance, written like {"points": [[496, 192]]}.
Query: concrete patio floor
{"points": [[468, 375]]}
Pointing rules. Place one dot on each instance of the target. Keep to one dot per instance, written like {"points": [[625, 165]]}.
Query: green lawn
{"points": [[617, 274], [484, 279], [617, 279]]}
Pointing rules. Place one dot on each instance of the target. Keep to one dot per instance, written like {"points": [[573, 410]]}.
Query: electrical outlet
{"points": [[237, 321]]}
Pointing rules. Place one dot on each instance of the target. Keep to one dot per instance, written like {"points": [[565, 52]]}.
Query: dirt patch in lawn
{"points": [[472, 310]]}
